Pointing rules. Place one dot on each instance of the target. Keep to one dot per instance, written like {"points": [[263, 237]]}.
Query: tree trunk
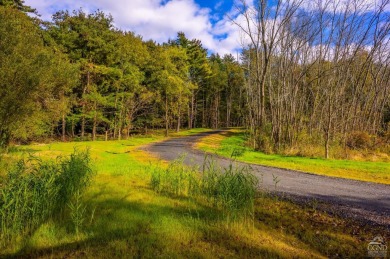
{"points": [[82, 127], [116, 108], [328, 127], [121, 119], [178, 123], [72, 128], [120, 125], [327, 137], [94, 124], [128, 131], [94, 129], [63, 127], [203, 111], [228, 109], [166, 116], [83, 107], [130, 117], [179, 114], [191, 119]]}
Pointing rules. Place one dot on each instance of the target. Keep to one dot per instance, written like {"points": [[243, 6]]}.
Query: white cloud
{"points": [[158, 20]]}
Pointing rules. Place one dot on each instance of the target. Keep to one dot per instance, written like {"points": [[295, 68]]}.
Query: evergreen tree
{"points": [[17, 4]]}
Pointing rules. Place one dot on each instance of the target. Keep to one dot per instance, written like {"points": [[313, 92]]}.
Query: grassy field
{"points": [[224, 144], [126, 218]]}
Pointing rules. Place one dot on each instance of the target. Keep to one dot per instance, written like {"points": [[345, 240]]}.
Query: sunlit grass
{"points": [[226, 143], [126, 218]]}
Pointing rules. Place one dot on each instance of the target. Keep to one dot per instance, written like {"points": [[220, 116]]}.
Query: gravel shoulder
{"points": [[364, 201]]}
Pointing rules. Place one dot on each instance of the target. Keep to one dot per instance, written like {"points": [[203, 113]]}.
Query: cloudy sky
{"points": [[160, 20]]}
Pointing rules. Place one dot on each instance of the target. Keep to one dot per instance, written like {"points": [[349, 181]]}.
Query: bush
{"points": [[359, 140], [35, 191], [265, 144], [264, 139]]}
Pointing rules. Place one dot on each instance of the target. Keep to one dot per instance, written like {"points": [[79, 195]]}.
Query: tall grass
{"points": [[231, 190], [34, 191]]}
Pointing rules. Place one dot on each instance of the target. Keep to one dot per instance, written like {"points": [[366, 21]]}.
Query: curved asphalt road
{"points": [[362, 200]]}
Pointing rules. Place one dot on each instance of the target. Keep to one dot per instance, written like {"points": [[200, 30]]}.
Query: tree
{"points": [[169, 75], [90, 41], [216, 84], [310, 70], [133, 97], [198, 70], [17, 4], [233, 91], [30, 79]]}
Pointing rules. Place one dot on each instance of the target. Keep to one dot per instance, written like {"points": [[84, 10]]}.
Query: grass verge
{"points": [[228, 142]]}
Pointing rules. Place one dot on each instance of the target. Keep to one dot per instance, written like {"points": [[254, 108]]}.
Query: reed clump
{"points": [[35, 191], [231, 191]]}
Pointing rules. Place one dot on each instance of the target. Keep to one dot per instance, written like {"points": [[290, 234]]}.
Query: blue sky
{"points": [[160, 20], [217, 7]]}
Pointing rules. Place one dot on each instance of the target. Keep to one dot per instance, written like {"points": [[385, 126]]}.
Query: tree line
{"points": [[316, 72], [309, 73], [79, 76]]}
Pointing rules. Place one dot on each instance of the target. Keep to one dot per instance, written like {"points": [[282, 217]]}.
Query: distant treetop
{"points": [[18, 4]]}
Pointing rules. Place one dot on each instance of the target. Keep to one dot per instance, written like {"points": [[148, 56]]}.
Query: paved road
{"points": [[368, 201]]}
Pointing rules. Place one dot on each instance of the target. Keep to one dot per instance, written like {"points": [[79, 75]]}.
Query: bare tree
{"points": [[317, 67]]}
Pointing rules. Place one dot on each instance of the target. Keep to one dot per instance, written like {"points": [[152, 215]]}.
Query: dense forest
{"points": [[80, 76], [316, 76]]}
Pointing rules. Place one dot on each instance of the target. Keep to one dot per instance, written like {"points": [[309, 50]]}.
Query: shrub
{"points": [[359, 140], [264, 143]]}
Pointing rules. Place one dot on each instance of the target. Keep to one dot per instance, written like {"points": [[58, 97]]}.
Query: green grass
{"points": [[125, 218], [225, 144], [231, 191]]}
